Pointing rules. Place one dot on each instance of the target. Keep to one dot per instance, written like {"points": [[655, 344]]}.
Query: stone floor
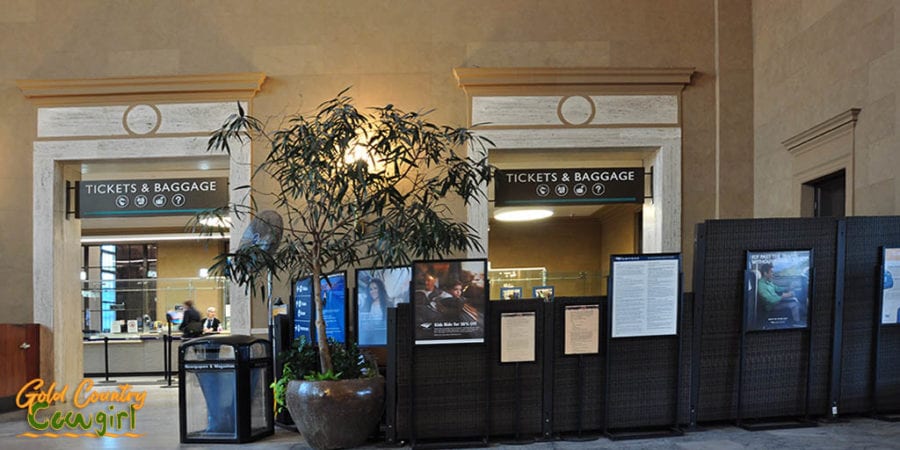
{"points": [[157, 427]]}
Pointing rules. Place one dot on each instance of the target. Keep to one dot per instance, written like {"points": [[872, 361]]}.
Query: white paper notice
{"points": [[582, 329], [517, 337], [644, 297]]}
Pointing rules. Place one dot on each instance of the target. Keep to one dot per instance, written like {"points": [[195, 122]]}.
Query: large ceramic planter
{"points": [[336, 414]]}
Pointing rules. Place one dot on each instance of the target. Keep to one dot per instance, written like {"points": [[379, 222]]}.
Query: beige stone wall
{"points": [[814, 60], [401, 52]]}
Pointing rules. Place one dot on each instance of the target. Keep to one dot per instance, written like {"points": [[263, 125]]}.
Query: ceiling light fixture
{"points": [[522, 215]]}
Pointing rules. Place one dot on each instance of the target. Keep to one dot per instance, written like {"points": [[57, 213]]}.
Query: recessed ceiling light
{"points": [[522, 215]]}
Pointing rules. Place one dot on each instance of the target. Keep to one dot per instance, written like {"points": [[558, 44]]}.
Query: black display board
{"points": [[886, 383], [770, 356], [644, 319]]}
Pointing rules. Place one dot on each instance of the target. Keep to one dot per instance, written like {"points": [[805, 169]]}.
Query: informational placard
{"points": [[334, 297], [154, 197], [644, 295], [777, 293], [303, 309], [517, 337], [376, 291], [582, 329], [449, 301], [890, 293], [568, 186]]}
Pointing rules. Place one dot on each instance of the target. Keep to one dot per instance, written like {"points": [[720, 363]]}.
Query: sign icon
{"points": [[598, 189], [178, 200], [141, 201], [561, 190], [159, 200], [579, 189], [122, 201], [543, 190]]}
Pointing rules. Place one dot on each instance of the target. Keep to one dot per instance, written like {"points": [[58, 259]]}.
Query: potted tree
{"points": [[354, 187]]}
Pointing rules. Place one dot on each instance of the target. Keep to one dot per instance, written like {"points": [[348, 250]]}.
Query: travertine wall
{"points": [[402, 52], [814, 60]]}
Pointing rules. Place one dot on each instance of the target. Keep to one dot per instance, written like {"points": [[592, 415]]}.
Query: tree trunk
{"points": [[324, 352]]}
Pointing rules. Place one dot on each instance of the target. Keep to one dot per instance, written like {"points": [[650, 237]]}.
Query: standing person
{"points": [[191, 325], [211, 324]]}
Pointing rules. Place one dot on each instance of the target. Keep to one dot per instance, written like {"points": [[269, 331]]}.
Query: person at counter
{"points": [[211, 324], [191, 325]]}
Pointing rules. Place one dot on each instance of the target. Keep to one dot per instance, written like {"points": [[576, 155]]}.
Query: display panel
{"points": [[890, 291], [777, 289], [644, 295], [449, 301], [510, 293], [545, 293], [334, 310], [377, 290]]}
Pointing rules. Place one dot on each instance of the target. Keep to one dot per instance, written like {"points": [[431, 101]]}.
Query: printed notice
{"points": [[890, 300], [517, 337], [644, 296], [582, 329]]}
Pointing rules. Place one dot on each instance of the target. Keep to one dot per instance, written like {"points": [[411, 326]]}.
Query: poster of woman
{"points": [[376, 291]]}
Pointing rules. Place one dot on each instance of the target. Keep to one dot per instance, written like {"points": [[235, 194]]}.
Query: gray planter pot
{"points": [[336, 414]]}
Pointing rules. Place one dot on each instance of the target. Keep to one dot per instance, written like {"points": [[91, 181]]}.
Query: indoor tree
{"points": [[372, 186]]}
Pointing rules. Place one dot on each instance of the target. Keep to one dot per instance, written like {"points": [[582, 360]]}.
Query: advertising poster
{"points": [[644, 295], [510, 293], [376, 291], [544, 293], [449, 301], [334, 298], [582, 329], [517, 337], [777, 289], [890, 294]]}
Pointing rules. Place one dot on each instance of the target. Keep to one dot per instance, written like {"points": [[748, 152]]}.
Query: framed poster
{"points": [[334, 310], [582, 332], [510, 293], [644, 295], [777, 289], [543, 292], [376, 291], [449, 301], [517, 337], [890, 290]]}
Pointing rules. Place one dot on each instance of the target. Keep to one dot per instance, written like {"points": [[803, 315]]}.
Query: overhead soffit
{"points": [[241, 86], [476, 80]]}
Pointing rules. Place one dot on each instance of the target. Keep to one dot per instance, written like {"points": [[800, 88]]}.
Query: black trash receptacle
{"points": [[223, 389]]}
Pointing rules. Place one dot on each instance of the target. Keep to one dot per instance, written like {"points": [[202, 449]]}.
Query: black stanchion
{"points": [[167, 350], [106, 362], [579, 434]]}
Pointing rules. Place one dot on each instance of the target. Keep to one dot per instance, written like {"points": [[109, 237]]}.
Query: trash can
{"points": [[223, 389]]}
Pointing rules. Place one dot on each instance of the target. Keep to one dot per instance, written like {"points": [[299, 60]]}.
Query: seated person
{"points": [[775, 299]]}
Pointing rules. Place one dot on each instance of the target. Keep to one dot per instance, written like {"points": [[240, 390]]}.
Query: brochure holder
{"points": [[660, 271]]}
